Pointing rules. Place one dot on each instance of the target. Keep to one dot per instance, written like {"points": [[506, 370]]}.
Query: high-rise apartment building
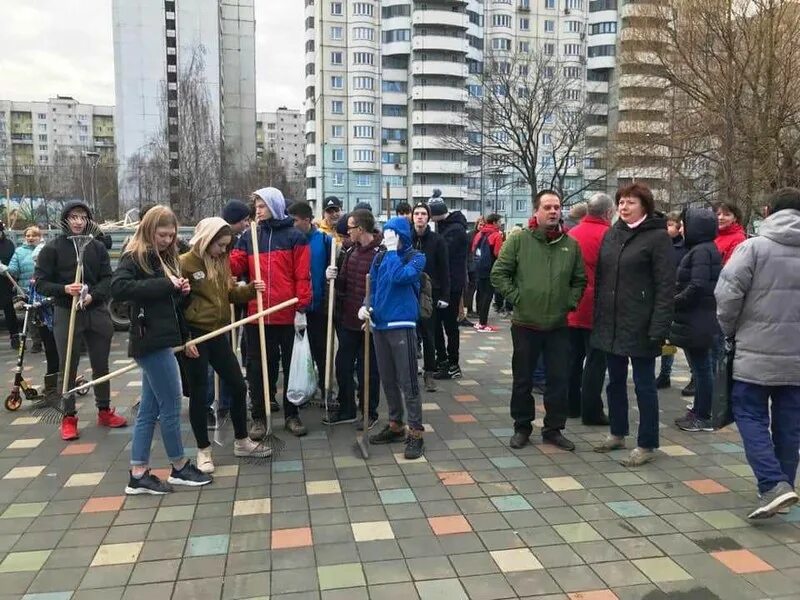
{"points": [[282, 133], [155, 41], [36, 133], [388, 84]]}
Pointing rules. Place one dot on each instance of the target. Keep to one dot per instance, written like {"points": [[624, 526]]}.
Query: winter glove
{"points": [[442, 304], [363, 313], [3, 269], [300, 321], [390, 240], [331, 273]]}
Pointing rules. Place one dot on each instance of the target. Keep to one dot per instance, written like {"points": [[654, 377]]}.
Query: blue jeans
{"points": [[161, 401], [644, 381], [700, 363], [771, 448], [224, 393]]}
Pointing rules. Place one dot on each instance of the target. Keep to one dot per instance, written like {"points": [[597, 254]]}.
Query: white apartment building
{"points": [[36, 133], [386, 82], [153, 41], [282, 133]]}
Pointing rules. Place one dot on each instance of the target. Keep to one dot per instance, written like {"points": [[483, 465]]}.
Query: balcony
{"points": [[601, 62], [21, 138], [653, 104], [439, 67], [642, 173], [655, 128], [440, 17], [596, 131], [448, 191], [427, 142], [636, 9], [643, 81], [438, 117], [450, 167], [440, 42], [438, 92], [599, 87], [396, 48], [311, 127]]}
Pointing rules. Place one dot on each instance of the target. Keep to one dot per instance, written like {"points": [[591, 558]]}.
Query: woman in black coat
{"points": [[632, 314], [695, 324], [6, 289]]}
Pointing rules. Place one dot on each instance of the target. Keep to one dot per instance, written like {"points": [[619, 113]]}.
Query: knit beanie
{"points": [[436, 205], [364, 205], [422, 205], [341, 225], [235, 211]]}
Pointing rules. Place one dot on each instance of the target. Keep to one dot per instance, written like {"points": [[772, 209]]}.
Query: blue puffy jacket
{"points": [[320, 244], [395, 282]]}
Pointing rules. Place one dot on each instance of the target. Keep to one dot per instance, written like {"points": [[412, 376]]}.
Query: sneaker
{"points": [[147, 484], [557, 439], [189, 475], [663, 382], [485, 328], [694, 424], [466, 323], [687, 417], [638, 457], [430, 384], [204, 462], [520, 439], [338, 419], [611, 443], [211, 419], [689, 389], [387, 435], [779, 497], [247, 447], [274, 406], [450, 372], [258, 430], [109, 418], [415, 445], [69, 428], [295, 426], [371, 422]]}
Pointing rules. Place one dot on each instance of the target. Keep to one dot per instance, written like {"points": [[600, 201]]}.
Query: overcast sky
{"points": [[52, 47]]}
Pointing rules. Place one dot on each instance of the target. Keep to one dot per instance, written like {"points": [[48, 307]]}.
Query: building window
{"points": [[42, 137], [338, 179], [550, 4], [363, 9], [575, 4], [337, 131], [572, 49], [363, 180], [336, 33], [609, 50], [363, 58], [393, 158], [336, 9], [573, 26], [42, 127], [363, 131], [399, 10], [572, 72], [336, 58], [524, 47], [394, 86], [337, 155], [364, 33], [337, 82], [43, 147], [572, 95], [42, 115], [501, 44], [396, 35], [606, 27], [337, 107], [364, 155], [363, 83], [525, 24], [549, 49], [394, 180], [394, 110], [501, 20], [393, 135], [363, 108], [549, 26]]}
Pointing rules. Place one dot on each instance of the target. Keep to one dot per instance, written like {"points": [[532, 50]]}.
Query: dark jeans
{"points": [[717, 351], [280, 340], [644, 381], [95, 328], [469, 294], [447, 325], [540, 373], [217, 353], [770, 445], [585, 380], [529, 344], [700, 363], [50, 349], [667, 360], [485, 294], [12, 323], [316, 330], [349, 360], [426, 329]]}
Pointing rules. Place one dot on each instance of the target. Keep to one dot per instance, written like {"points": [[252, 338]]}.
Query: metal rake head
{"points": [[271, 442], [49, 409]]}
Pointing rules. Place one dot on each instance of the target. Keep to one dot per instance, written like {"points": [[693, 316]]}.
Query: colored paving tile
{"points": [[507, 462], [398, 496], [463, 418], [593, 595], [465, 398], [562, 484], [24, 561], [297, 537], [117, 554], [661, 570], [449, 525], [319, 488], [518, 559], [103, 504], [24, 472], [24, 443], [510, 503], [25, 509], [257, 506], [706, 486], [85, 479], [629, 509], [370, 531], [207, 545], [455, 478], [742, 561], [76, 449], [348, 575]]}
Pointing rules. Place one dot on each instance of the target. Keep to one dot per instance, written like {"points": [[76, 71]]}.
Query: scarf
{"points": [[550, 233]]}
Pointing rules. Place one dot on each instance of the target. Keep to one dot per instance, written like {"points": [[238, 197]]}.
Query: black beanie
{"points": [[235, 211]]}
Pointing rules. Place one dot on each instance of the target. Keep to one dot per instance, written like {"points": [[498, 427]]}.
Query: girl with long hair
{"points": [[148, 277], [207, 267]]}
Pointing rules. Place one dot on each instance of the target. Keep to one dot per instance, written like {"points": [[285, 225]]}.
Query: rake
{"points": [[362, 441], [329, 403]]}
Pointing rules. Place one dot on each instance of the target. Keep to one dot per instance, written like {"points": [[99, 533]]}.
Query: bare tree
{"points": [[531, 120]]}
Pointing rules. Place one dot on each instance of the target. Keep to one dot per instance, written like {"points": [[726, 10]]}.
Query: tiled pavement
{"points": [[473, 520]]}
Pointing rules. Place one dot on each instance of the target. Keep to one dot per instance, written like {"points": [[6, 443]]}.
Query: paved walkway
{"points": [[473, 520]]}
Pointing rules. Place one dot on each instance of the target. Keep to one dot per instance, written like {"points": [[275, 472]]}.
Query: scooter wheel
{"points": [[13, 402], [80, 380]]}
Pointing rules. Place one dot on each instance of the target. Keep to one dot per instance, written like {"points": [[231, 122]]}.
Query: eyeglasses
{"points": [[353, 227]]}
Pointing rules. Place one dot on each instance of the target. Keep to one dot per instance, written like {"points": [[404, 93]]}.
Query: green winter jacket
{"points": [[543, 280]]}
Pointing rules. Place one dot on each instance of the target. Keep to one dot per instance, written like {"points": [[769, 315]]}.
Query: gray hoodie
{"points": [[758, 303]]}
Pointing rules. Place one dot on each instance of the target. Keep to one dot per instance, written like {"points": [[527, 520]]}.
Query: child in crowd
{"points": [[21, 268], [207, 267], [148, 277]]}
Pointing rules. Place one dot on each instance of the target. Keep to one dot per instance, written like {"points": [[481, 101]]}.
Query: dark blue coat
{"points": [[695, 321]]}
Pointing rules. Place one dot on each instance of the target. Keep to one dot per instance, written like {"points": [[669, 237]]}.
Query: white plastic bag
{"points": [[302, 373]]}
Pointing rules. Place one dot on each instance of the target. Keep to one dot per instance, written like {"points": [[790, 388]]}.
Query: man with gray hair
{"points": [[586, 380]]}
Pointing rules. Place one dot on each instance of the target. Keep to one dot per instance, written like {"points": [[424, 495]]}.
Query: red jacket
{"points": [[285, 259], [728, 238], [589, 234], [495, 238]]}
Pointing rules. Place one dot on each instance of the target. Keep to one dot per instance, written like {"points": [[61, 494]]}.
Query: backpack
{"points": [[483, 257], [425, 293]]}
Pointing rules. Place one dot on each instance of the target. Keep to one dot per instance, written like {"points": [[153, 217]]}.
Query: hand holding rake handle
{"points": [[198, 340]]}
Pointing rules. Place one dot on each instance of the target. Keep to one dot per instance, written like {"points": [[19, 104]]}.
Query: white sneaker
{"points": [[204, 462], [247, 447]]}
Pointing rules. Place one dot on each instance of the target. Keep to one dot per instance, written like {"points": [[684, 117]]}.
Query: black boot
{"points": [[689, 389], [662, 381]]}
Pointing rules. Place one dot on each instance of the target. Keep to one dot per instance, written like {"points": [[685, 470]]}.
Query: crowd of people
{"points": [[614, 285]]}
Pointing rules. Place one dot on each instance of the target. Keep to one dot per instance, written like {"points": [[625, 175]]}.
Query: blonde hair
{"points": [[34, 228], [219, 268], [143, 241]]}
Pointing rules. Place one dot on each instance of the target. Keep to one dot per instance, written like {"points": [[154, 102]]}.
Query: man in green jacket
{"points": [[540, 271]]}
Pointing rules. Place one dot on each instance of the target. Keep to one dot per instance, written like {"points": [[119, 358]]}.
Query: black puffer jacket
{"points": [[454, 231], [695, 324], [156, 317], [437, 265], [6, 252], [634, 287], [58, 260]]}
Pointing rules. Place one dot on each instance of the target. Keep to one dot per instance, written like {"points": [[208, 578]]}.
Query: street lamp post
{"points": [[93, 158]]}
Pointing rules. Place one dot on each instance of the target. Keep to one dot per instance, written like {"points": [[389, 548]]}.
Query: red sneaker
{"points": [[69, 428], [108, 418]]}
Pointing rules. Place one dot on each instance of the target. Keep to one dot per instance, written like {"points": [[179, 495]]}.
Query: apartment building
{"points": [[282, 133], [36, 133]]}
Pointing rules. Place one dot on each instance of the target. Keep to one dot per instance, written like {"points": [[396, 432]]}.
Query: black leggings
{"points": [[218, 353], [485, 294], [50, 349], [280, 341]]}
